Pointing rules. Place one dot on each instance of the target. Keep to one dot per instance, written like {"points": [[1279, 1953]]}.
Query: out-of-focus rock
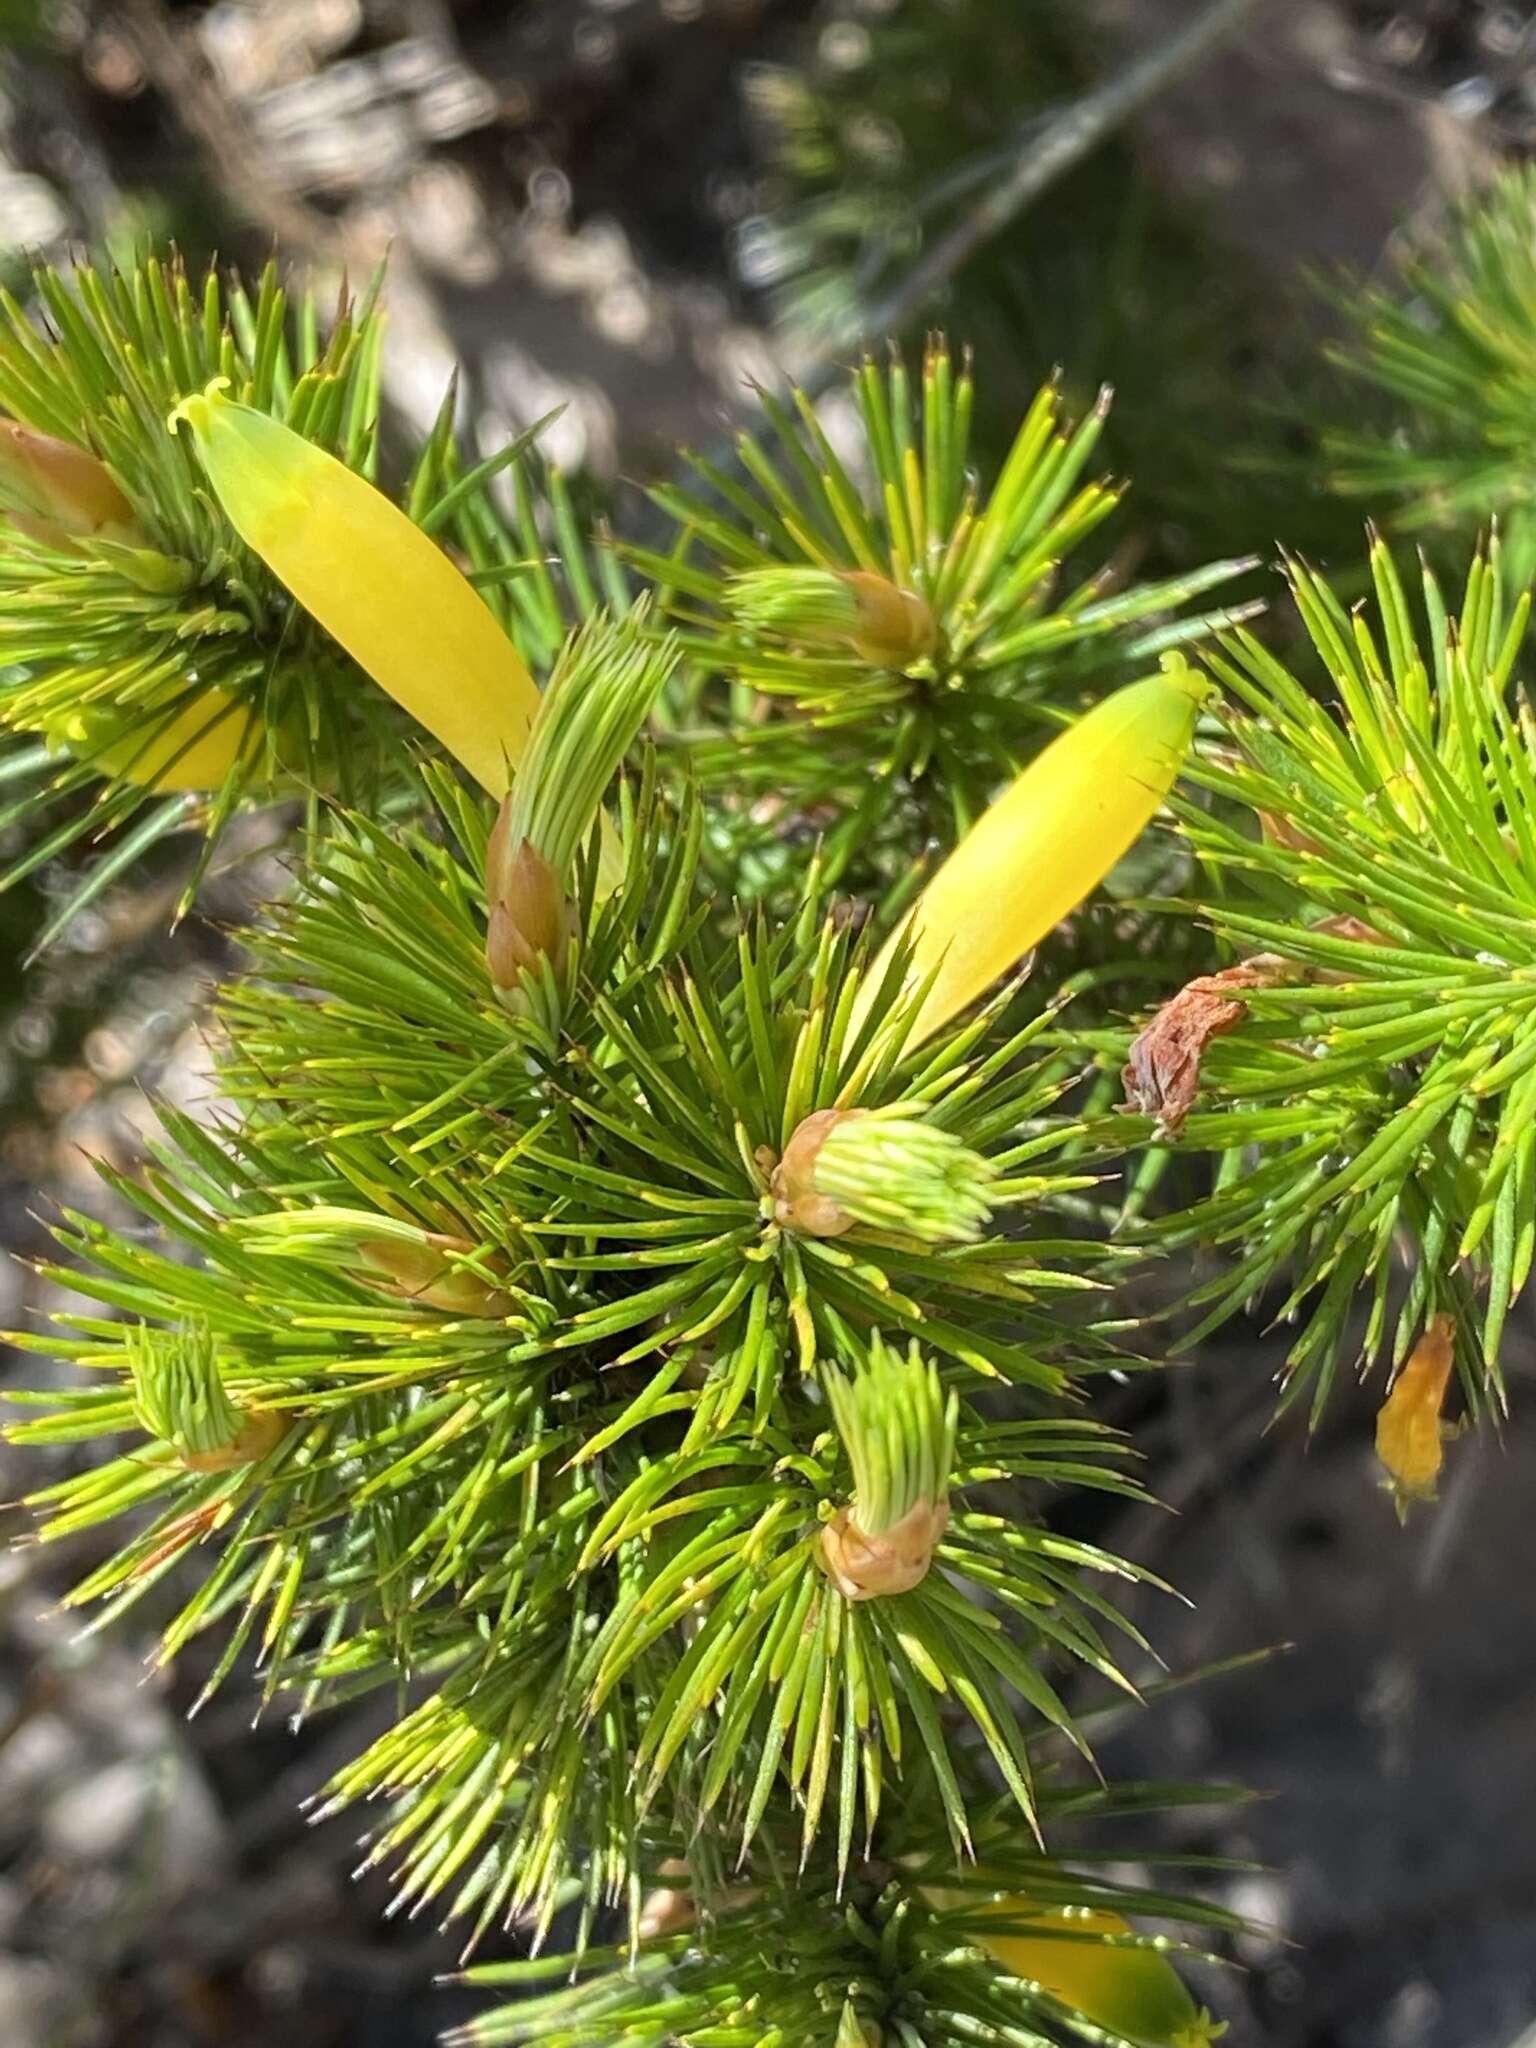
{"points": [[36, 2009], [151, 1811]]}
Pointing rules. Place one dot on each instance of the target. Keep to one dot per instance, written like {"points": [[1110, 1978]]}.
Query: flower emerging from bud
{"points": [[1038, 850], [181, 1398], [899, 1433], [598, 698], [884, 625], [59, 493], [1410, 1436], [890, 1169], [1092, 1962]]}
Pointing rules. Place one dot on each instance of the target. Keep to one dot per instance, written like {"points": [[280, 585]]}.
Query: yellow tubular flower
{"points": [[373, 580], [1133, 1992], [195, 750], [1036, 853]]}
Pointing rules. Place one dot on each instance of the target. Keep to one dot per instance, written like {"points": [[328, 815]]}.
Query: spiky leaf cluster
{"points": [[638, 1340], [158, 678], [898, 1958], [554, 1371], [880, 635], [881, 135], [113, 646], [1449, 346], [900, 126], [1372, 848], [523, 531]]}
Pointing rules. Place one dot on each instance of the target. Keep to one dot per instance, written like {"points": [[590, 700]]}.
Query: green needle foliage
{"points": [[899, 1434], [897, 126], [899, 1958], [643, 1337], [1373, 851], [894, 639], [882, 133], [180, 1393], [162, 654], [523, 532], [557, 1380], [158, 675], [1450, 350]]}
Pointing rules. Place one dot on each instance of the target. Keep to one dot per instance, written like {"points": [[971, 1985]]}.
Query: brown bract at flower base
{"points": [[529, 913], [797, 1204], [259, 1434], [875, 1567], [434, 1272], [59, 493]]}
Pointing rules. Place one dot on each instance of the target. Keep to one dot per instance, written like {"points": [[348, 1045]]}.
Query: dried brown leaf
{"points": [[1162, 1074]]}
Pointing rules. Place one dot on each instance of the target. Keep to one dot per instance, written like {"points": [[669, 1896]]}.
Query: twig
{"points": [[1046, 155]]}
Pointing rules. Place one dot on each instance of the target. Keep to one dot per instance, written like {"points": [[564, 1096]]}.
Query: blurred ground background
{"points": [[632, 207]]}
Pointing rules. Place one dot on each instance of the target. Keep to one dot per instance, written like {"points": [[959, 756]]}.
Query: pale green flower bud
{"points": [[899, 1433], [889, 1169], [883, 624], [181, 1398]]}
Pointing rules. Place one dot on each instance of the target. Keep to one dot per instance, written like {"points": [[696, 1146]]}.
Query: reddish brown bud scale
{"points": [[427, 1272], [529, 914], [896, 628], [875, 1567], [259, 1435], [58, 492], [796, 1203]]}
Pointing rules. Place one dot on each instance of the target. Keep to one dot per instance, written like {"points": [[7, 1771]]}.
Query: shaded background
{"points": [[632, 208]]}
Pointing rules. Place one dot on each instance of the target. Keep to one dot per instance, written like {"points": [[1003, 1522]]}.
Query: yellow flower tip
{"points": [[263, 474], [380, 586], [1044, 845], [196, 409]]}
